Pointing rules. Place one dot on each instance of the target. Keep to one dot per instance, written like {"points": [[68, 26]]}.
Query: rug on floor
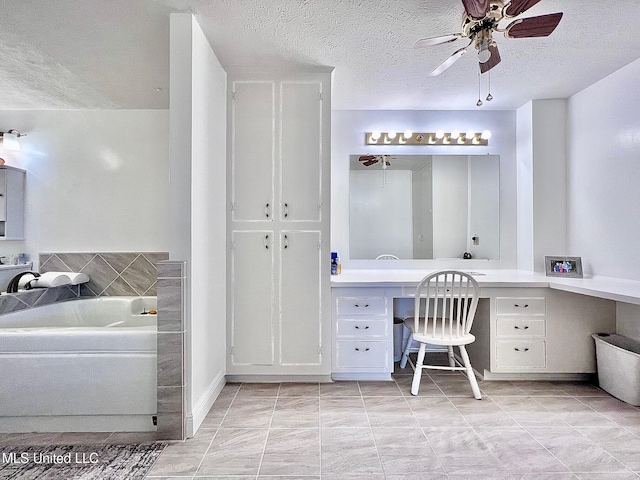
{"points": [[78, 462]]}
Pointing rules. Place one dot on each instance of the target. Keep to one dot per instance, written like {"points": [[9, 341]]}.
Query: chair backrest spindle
{"points": [[450, 301]]}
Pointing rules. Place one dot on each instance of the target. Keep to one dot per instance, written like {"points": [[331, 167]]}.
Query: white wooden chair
{"points": [[449, 300]]}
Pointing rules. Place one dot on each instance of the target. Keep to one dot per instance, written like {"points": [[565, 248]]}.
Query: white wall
{"points": [[96, 180], [198, 167], [603, 137], [347, 138], [542, 190]]}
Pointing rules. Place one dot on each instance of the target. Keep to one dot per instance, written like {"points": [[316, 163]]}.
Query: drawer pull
{"points": [[366, 327], [517, 305], [526, 349], [526, 327], [362, 349], [357, 305]]}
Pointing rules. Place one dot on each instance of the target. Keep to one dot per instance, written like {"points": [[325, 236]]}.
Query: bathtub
{"points": [[81, 365]]}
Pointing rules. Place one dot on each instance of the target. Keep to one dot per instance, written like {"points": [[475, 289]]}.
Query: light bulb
{"points": [[407, 134], [470, 134], [10, 141], [455, 134], [375, 135], [486, 135], [392, 134], [440, 134]]}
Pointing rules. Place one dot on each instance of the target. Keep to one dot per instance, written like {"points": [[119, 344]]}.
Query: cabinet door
{"points": [[300, 298], [252, 298], [301, 150], [252, 151]]}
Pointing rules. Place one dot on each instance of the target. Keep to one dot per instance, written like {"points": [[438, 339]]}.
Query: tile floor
{"points": [[378, 430]]}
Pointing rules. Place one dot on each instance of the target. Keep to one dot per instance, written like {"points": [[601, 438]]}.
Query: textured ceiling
{"points": [[114, 54]]}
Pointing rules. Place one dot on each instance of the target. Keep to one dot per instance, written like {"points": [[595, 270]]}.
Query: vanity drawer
{"points": [[361, 328], [520, 306], [520, 354], [520, 327], [356, 354], [361, 306]]}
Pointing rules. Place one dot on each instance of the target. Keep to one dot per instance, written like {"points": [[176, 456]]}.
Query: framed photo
{"points": [[561, 266]]}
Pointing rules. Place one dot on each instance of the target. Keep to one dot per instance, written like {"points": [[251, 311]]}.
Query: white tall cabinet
{"points": [[279, 189]]}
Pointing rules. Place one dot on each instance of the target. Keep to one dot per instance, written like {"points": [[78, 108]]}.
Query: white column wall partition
{"points": [[542, 182], [198, 199]]}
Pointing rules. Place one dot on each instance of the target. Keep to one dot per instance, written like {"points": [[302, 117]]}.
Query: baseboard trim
{"points": [[199, 413], [257, 378], [362, 376], [582, 377]]}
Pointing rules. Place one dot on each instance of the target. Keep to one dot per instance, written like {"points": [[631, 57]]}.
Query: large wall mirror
{"points": [[424, 206]]}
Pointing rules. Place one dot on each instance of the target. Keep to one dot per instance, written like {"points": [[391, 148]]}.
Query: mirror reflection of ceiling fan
{"points": [[368, 160], [481, 20]]}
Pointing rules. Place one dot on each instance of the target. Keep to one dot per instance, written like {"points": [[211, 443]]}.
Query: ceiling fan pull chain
{"points": [[479, 102], [489, 96]]}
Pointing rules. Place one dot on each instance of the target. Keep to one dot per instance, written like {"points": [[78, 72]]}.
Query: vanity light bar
{"points": [[427, 138]]}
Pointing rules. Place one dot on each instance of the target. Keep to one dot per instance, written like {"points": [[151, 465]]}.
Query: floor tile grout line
{"points": [[266, 440], [373, 437], [217, 431]]}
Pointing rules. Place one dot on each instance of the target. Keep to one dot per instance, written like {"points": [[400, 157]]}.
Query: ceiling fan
{"points": [[368, 160], [479, 23]]}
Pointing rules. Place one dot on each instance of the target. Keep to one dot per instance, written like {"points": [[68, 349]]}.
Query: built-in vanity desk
{"points": [[527, 325]]}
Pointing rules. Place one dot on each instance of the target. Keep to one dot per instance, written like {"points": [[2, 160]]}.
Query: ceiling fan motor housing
{"points": [[472, 26]]}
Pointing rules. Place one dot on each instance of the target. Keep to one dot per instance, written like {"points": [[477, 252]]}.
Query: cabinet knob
{"points": [[526, 349], [266, 210], [286, 210], [362, 349], [517, 305], [357, 305], [366, 327], [521, 328]]}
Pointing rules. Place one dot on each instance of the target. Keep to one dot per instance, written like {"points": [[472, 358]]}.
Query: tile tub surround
{"points": [[13, 302], [378, 430], [110, 273], [171, 344]]}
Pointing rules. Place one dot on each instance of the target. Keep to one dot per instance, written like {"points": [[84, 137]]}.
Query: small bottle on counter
{"points": [[334, 263]]}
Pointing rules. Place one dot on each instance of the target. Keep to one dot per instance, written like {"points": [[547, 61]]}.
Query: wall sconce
{"points": [[427, 138], [10, 139]]}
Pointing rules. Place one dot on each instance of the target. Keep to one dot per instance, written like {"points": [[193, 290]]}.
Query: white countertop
{"points": [[620, 290]]}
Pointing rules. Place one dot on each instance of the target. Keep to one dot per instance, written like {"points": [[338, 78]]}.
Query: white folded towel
{"points": [[54, 279]]}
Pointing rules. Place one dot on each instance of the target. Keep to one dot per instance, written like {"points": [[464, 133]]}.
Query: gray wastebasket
{"points": [[618, 361]]}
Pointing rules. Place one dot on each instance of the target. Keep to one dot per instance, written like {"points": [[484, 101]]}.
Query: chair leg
{"points": [[417, 374], [470, 374], [452, 362], [405, 354]]}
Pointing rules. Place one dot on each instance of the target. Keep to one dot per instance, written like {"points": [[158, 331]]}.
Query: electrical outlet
{"points": [[476, 240]]}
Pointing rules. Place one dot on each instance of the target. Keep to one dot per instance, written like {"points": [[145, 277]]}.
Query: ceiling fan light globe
{"points": [[484, 55]]}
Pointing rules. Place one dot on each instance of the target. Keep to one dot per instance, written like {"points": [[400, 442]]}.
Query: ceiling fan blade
{"points": [[494, 59], [429, 42], [368, 163], [476, 8], [448, 62], [516, 7], [366, 158], [541, 26]]}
